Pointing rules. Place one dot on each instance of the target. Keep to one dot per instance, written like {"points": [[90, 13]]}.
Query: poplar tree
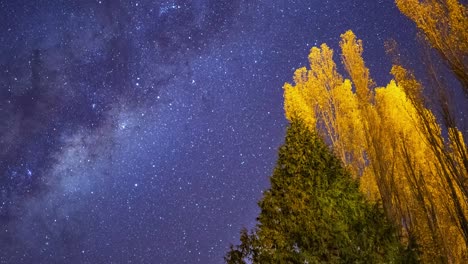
{"points": [[444, 25], [392, 143]]}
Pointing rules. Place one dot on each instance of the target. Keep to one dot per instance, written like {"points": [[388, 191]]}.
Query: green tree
{"points": [[314, 212]]}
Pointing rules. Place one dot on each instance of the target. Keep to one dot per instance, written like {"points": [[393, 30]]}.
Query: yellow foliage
{"points": [[444, 24], [352, 49], [296, 107], [381, 136]]}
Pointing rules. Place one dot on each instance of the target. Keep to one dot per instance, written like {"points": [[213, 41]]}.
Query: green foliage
{"points": [[314, 212]]}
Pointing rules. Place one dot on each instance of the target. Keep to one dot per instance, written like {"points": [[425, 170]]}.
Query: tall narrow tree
{"points": [[392, 143]]}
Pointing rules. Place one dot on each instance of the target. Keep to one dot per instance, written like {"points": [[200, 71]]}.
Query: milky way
{"points": [[145, 131]]}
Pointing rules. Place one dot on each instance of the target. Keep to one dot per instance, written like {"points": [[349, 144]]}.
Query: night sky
{"points": [[145, 131]]}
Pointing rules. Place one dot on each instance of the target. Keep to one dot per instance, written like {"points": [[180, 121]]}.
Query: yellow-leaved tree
{"points": [[392, 143], [444, 24]]}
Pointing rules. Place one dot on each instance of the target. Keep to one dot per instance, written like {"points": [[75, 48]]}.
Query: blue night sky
{"points": [[145, 131]]}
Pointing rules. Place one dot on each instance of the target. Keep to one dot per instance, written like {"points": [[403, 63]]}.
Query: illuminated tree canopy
{"points": [[392, 143]]}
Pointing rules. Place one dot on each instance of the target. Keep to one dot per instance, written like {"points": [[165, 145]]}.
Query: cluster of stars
{"points": [[145, 131]]}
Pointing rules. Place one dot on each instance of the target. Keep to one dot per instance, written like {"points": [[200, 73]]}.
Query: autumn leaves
{"points": [[392, 143]]}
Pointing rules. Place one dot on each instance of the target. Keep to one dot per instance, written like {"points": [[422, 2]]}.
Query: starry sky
{"points": [[145, 131]]}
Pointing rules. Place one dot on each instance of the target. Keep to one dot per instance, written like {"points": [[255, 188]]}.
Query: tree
{"points": [[314, 212], [393, 145], [444, 25]]}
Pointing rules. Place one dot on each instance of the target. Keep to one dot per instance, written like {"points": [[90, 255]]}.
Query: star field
{"points": [[145, 131]]}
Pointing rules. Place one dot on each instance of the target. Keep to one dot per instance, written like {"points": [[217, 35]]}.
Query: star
{"points": [[173, 109]]}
